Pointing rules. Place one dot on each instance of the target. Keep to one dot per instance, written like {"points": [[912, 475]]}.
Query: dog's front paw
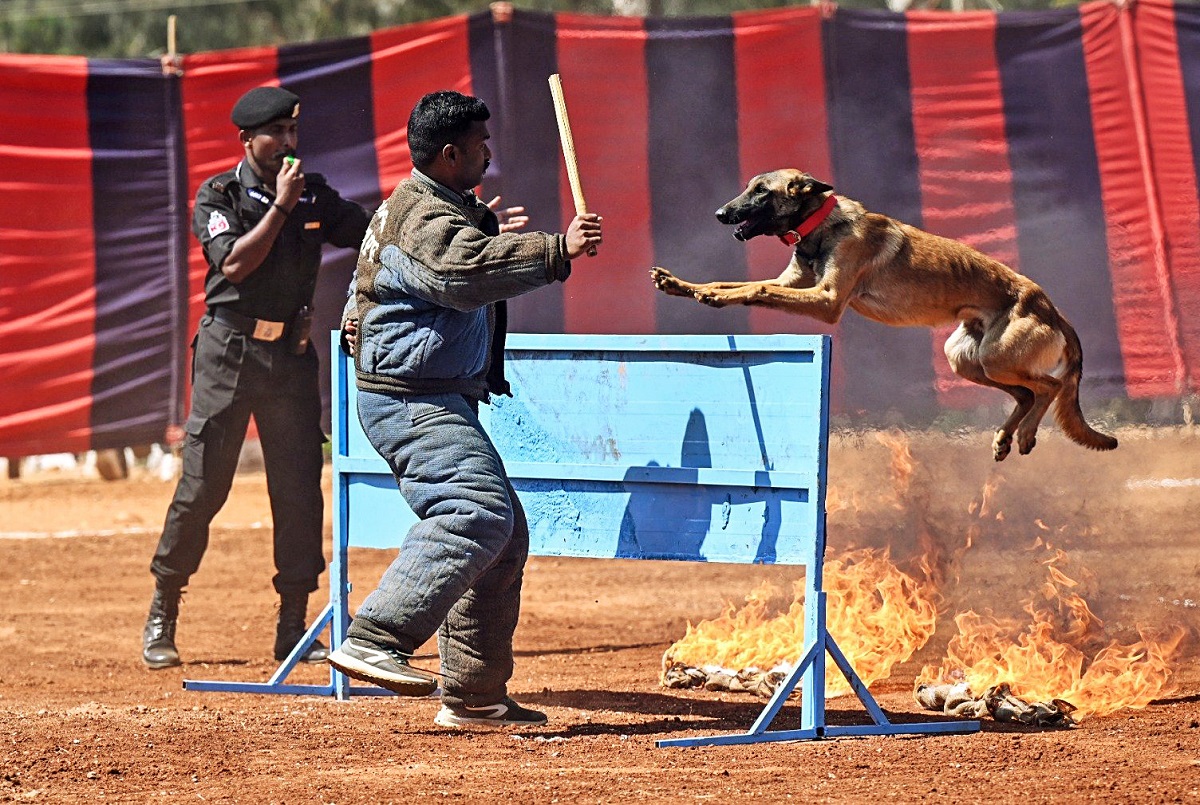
{"points": [[709, 298], [668, 283]]}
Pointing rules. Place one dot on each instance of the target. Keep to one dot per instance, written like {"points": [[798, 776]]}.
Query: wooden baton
{"points": [[568, 147]]}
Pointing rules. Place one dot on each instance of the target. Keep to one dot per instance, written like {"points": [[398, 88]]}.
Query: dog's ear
{"points": [[817, 186]]}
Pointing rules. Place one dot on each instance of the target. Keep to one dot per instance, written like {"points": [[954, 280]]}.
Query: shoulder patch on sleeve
{"points": [[217, 223]]}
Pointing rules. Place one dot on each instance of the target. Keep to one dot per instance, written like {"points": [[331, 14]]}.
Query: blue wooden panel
{"points": [[683, 401], [605, 520], [668, 521], [379, 516], [699, 448]]}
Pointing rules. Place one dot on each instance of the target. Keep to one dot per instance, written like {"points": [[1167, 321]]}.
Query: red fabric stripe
{"points": [[962, 150], [1174, 169], [408, 62], [602, 64], [781, 124], [47, 255], [1143, 320], [212, 83]]}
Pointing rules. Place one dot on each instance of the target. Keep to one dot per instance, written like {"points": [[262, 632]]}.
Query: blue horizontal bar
{"points": [[922, 728], [605, 473], [741, 738], [348, 465], [576, 342], [257, 687]]}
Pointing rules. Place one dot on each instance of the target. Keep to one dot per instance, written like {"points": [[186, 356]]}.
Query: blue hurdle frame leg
{"points": [[339, 580], [811, 671], [339, 577], [277, 684]]}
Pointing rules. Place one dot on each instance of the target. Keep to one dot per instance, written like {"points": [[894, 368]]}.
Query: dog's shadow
{"points": [[216, 661], [652, 528]]}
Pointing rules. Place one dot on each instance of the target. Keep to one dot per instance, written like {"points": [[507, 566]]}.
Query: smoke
{"points": [[982, 533]]}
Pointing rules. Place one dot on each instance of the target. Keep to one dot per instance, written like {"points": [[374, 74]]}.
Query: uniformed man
{"points": [[261, 225]]}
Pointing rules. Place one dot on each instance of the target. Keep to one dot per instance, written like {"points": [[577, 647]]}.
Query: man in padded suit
{"points": [[433, 275]]}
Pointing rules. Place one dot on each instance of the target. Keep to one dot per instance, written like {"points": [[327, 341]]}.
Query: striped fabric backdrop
{"points": [[1064, 143], [90, 297]]}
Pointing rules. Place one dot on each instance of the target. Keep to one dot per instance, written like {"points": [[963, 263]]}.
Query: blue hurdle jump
{"points": [[695, 448]]}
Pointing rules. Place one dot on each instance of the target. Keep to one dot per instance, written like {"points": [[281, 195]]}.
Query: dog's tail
{"points": [[1067, 412]]}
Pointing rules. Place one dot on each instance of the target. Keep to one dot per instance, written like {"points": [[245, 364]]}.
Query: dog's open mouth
{"points": [[753, 226]]}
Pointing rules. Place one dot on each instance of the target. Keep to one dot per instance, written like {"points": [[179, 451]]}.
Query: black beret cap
{"points": [[264, 104]]}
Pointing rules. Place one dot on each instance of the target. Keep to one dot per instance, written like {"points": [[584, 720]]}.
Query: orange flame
{"points": [[903, 464], [1052, 656], [878, 615]]}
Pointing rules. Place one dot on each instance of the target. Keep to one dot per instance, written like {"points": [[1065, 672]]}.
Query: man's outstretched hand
{"points": [[511, 218]]}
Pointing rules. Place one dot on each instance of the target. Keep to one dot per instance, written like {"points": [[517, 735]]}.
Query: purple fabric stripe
{"points": [[527, 153], [1056, 182], [180, 242], [874, 154], [1187, 32], [129, 105], [337, 140], [483, 54], [694, 164]]}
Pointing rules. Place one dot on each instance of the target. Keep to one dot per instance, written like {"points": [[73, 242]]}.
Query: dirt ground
{"points": [[84, 721]]}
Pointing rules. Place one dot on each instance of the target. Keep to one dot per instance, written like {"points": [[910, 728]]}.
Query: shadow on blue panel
{"points": [[674, 521]]}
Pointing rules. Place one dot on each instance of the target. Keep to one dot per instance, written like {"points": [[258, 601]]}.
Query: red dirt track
{"points": [[83, 721]]}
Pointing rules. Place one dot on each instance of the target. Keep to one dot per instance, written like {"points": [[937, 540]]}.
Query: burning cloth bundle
{"points": [[998, 701], [714, 677]]}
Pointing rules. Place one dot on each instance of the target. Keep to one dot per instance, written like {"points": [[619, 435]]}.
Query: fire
{"points": [[1054, 654], [881, 615], [878, 615], [902, 466]]}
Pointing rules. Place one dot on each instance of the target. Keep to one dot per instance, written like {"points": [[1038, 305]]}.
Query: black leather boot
{"points": [[158, 636], [293, 623]]}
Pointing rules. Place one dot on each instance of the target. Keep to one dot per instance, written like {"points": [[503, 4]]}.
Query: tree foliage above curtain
{"points": [[138, 28]]}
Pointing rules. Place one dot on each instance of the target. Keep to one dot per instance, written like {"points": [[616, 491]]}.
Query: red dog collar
{"points": [[794, 236]]}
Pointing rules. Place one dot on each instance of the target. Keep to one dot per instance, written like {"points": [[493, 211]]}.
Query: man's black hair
{"points": [[439, 118]]}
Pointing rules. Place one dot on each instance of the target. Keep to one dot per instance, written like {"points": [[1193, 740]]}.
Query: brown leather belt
{"points": [[258, 329]]}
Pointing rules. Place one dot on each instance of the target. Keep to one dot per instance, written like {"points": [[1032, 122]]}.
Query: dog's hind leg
{"points": [[962, 352], [1023, 350], [1002, 440], [1044, 389]]}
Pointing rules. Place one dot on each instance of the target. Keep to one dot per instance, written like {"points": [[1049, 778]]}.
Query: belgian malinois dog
{"points": [[1009, 336]]}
